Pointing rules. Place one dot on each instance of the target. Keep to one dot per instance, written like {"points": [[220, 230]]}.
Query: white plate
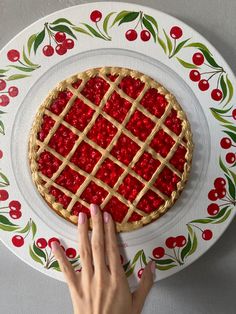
{"points": [[151, 58]]}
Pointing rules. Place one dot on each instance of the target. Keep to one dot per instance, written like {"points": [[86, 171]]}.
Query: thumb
{"points": [[64, 264], [145, 285]]}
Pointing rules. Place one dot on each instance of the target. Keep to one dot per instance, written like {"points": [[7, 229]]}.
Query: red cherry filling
{"points": [[130, 187], [95, 89], [167, 181], [79, 208], [117, 107], [48, 163], [134, 217], [112, 77], [94, 194], [79, 115], [131, 86], [63, 140], [162, 143], [60, 197], [125, 149], [85, 157], [47, 124], [60, 102], [109, 172], [116, 208], [146, 166], [150, 202], [154, 102], [140, 125], [173, 122], [178, 160], [70, 179], [102, 132], [76, 84]]}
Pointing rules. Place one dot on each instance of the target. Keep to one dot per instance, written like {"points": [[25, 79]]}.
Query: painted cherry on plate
{"points": [[18, 240], [216, 94], [71, 252], [131, 34], [225, 142], [219, 183], [176, 32], [158, 252], [3, 84], [213, 209], [140, 272], [194, 75], [171, 242], [95, 16], [15, 214], [13, 55], [4, 100], [145, 35], [234, 114], [69, 43], [207, 234], [181, 241], [203, 85], [213, 195], [15, 205], [61, 49], [230, 158], [221, 192], [13, 91], [3, 195], [198, 58], [41, 243], [60, 37], [48, 50]]}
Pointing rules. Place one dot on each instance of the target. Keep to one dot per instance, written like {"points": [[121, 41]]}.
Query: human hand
{"points": [[101, 287]]}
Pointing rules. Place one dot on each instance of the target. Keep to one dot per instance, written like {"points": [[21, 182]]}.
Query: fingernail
{"points": [[81, 218], [93, 209], [54, 246], [106, 217], [153, 267]]}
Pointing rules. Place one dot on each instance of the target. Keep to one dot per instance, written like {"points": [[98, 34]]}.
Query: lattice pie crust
{"points": [[114, 137]]}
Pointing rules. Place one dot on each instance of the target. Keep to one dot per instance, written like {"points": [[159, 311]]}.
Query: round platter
{"points": [[160, 46]]}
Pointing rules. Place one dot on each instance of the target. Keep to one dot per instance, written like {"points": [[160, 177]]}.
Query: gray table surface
{"points": [[209, 285]]}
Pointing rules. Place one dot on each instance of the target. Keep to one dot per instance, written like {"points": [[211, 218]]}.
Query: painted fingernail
{"points": [[81, 218], [54, 246], [106, 217], [93, 209], [153, 267]]}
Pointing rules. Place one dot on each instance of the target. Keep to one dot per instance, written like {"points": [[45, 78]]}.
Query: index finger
{"points": [[64, 264]]}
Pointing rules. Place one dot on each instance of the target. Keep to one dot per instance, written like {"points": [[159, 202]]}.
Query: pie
{"points": [[114, 137]]}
